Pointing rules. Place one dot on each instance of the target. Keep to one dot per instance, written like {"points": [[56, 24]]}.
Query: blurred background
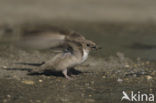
{"points": [[125, 26], [88, 10]]}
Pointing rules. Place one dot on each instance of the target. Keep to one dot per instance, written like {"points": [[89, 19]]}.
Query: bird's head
{"points": [[90, 45]]}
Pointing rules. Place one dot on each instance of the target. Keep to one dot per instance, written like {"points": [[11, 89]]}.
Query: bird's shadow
{"points": [[71, 71], [19, 69]]}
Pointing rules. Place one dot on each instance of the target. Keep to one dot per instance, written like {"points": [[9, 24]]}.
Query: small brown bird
{"points": [[75, 47]]}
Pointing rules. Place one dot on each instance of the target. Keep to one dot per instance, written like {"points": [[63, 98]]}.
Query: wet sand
{"points": [[102, 78]]}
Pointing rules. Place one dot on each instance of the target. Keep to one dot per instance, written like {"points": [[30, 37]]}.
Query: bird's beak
{"points": [[96, 47]]}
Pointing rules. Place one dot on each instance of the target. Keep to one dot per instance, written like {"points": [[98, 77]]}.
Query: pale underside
{"points": [[64, 61]]}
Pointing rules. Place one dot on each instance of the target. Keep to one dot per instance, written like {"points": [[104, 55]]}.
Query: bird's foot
{"points": [[68, 77], [65, 74]]}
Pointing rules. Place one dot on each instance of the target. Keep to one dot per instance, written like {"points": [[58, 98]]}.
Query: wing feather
{"points": [[52, 37], [43, 40]]}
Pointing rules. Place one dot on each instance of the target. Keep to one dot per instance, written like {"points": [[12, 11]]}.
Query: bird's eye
{"points": [[88, 45]]}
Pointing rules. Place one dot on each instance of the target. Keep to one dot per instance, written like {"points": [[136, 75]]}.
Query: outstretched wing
{"points": [[42, 40], [48, 37]]}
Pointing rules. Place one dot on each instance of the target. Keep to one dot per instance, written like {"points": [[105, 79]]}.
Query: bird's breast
{"points": [[85, 55]]}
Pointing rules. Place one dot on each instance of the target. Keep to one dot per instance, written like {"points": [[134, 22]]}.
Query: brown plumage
{"points": [[75, 47]]}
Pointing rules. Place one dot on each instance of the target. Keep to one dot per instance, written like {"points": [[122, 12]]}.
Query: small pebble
{"points": [[29, 82], [9, 96], [40, 80], [148, 77], [119, 80], [127, 66], [4, 66], [103, 77], [90, 95]]}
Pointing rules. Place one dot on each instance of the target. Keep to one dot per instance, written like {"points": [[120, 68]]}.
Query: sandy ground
{"points": [[126, 62], [100, 79]]}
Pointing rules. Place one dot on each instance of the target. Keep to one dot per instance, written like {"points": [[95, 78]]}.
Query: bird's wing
{"points": [[42, 40], [48, 37]]}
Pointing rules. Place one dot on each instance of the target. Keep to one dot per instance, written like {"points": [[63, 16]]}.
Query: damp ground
{"points": [[126, 62]]}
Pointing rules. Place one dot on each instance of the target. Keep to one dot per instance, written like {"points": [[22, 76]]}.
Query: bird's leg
{"points": [[65, 74]]}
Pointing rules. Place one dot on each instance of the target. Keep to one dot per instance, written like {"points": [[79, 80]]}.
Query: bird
{"points": [[75, 48]]}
